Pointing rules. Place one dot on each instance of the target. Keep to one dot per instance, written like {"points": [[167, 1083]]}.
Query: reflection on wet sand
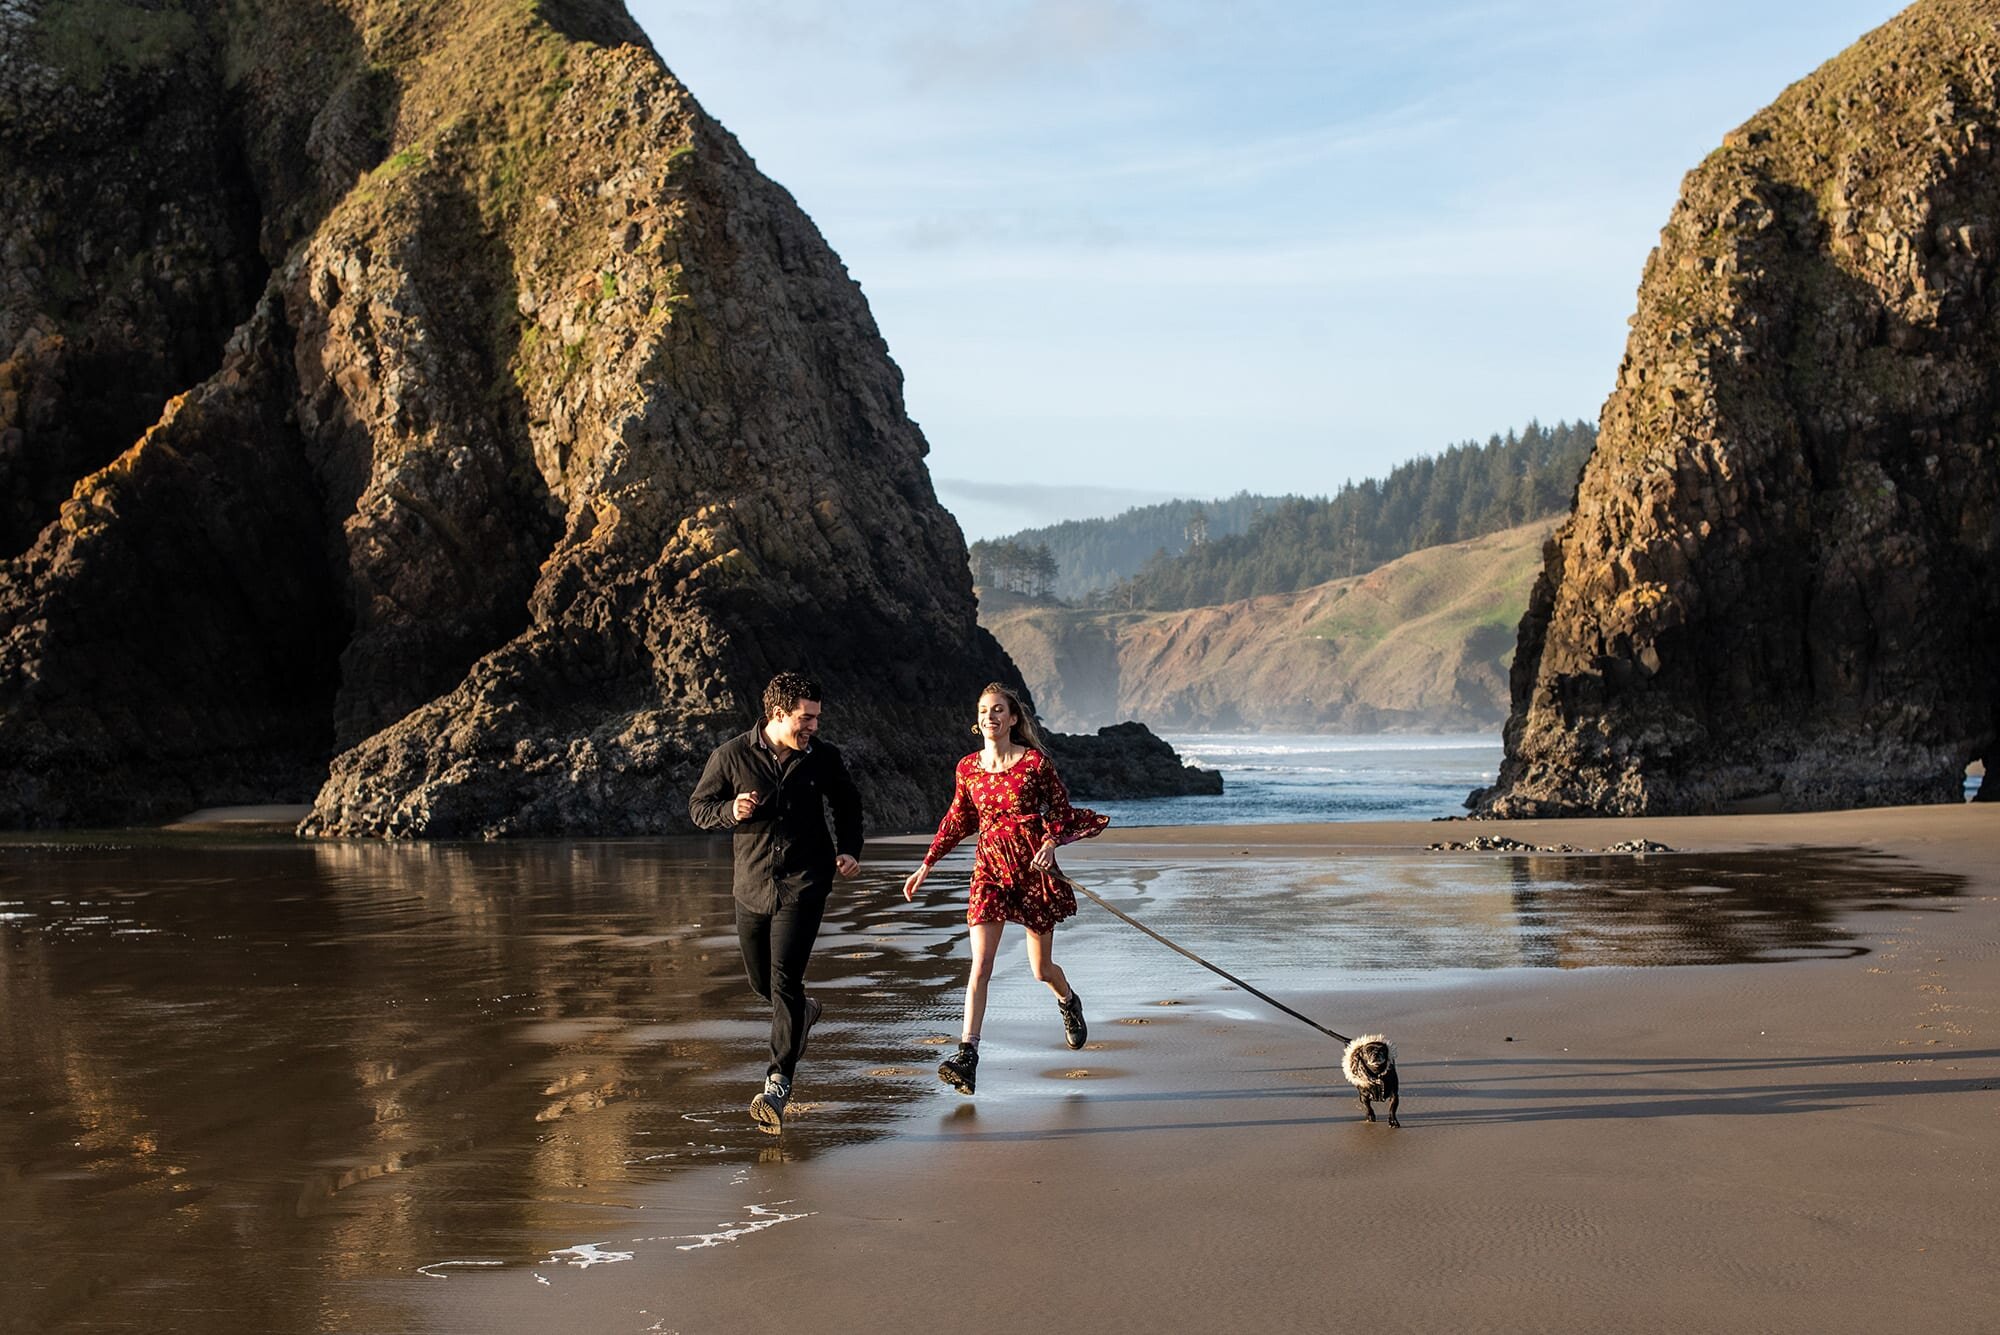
{"points": [[261, 1071], [238, 1080], [1316, 919]]}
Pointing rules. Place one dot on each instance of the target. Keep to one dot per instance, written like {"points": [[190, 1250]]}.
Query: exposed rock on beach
{"points": [[1127, 760], [428, 407], [1778, 582]]}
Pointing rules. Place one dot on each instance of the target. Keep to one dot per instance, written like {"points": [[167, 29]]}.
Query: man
{"points": [[768, 787]]}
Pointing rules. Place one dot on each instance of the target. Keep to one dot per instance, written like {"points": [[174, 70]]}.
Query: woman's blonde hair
{"points": [[1024, 731]]}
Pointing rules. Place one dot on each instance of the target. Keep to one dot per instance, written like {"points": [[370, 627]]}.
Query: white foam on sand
{"points": [[765, 1216], [585, 1255], [432, 1269]]}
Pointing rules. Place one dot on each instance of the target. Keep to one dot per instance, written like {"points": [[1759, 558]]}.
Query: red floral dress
{"points": [[1014, 811]]}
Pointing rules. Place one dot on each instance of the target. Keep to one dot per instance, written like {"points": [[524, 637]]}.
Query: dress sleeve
{"points": [[1064, 823], [961, 819]]}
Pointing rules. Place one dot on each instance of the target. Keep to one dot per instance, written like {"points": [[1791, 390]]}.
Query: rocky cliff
{"points": [[427, 404], [1420, 644], [1778, 581]]}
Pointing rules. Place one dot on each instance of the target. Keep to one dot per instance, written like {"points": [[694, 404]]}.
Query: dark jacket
{"points": [[782, 850]]}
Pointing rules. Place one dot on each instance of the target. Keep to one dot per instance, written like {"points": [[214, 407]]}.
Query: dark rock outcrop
{"points": [[127, 242], [499, 430], [1778, 581], [1127, 760]]}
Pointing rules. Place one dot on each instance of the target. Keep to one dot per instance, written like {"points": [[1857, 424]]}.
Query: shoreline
{"points": [[1812, 1145], [1862, 827], [275, 818], [1713, 833]]}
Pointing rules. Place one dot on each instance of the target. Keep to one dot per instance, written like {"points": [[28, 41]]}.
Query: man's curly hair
{"points": [[782, 696]]}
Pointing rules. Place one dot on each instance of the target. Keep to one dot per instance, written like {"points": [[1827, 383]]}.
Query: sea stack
{"points": [[1777, 585], [428, 411]]}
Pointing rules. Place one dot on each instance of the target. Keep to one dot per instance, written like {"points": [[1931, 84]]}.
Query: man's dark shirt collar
{"points": [[758, 739]]}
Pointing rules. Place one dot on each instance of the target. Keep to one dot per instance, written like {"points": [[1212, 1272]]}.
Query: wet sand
{"points": [[257, 1085], [1802, 1146]]}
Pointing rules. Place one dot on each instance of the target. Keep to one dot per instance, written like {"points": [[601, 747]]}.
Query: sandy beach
{"points": [[1802, 1146]]}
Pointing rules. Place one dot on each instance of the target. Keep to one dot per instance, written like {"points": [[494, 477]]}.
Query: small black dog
{"points": [[1370, 1066]]}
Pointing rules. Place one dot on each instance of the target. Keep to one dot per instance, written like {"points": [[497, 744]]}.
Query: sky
{"points": [[1132, 250]]}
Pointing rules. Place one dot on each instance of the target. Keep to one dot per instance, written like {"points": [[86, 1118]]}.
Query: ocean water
{"points": [[1277, 778], [1283, 778]]}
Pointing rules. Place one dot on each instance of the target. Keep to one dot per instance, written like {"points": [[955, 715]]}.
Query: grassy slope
{"points": [[1422, 642]]}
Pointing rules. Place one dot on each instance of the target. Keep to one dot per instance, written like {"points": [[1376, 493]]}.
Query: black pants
{"points": [[776, 949]]}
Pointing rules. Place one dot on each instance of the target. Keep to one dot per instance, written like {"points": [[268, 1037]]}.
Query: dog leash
{"points": [[1212, 968]]}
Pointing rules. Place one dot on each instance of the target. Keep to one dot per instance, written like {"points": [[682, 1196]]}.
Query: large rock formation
{"points": [[1778, 581], [435, 388], [1420, 644]]}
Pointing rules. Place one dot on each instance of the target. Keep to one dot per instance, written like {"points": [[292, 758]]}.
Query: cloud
{"points": [[1512, 249], [979, 227], [988, 43], [1018, 505], [792, 27], [1112, 162]]}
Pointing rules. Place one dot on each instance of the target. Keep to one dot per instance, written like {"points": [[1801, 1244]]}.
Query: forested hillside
{"points": [[1419, 644], [1466, 492], [1092, 554], [1193, 553]]}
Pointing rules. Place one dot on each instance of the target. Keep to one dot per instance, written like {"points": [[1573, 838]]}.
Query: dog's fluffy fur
{"points": [[1370, 1066]]}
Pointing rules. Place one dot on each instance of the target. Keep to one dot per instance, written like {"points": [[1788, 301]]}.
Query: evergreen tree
{"points": [[1466, 491]]}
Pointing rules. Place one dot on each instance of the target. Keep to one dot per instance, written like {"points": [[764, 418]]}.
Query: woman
{"points": [[1009, 791]]}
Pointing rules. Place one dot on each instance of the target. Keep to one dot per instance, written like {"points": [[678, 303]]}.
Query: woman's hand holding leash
{"points": [[1045, 856]]}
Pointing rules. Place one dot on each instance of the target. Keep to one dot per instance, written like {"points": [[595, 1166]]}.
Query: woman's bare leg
{"points": [[1042, 959], [985, 950]]}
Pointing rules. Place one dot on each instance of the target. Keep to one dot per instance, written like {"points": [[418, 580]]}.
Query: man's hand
{"points": [[846, 864], [745, 804]]}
